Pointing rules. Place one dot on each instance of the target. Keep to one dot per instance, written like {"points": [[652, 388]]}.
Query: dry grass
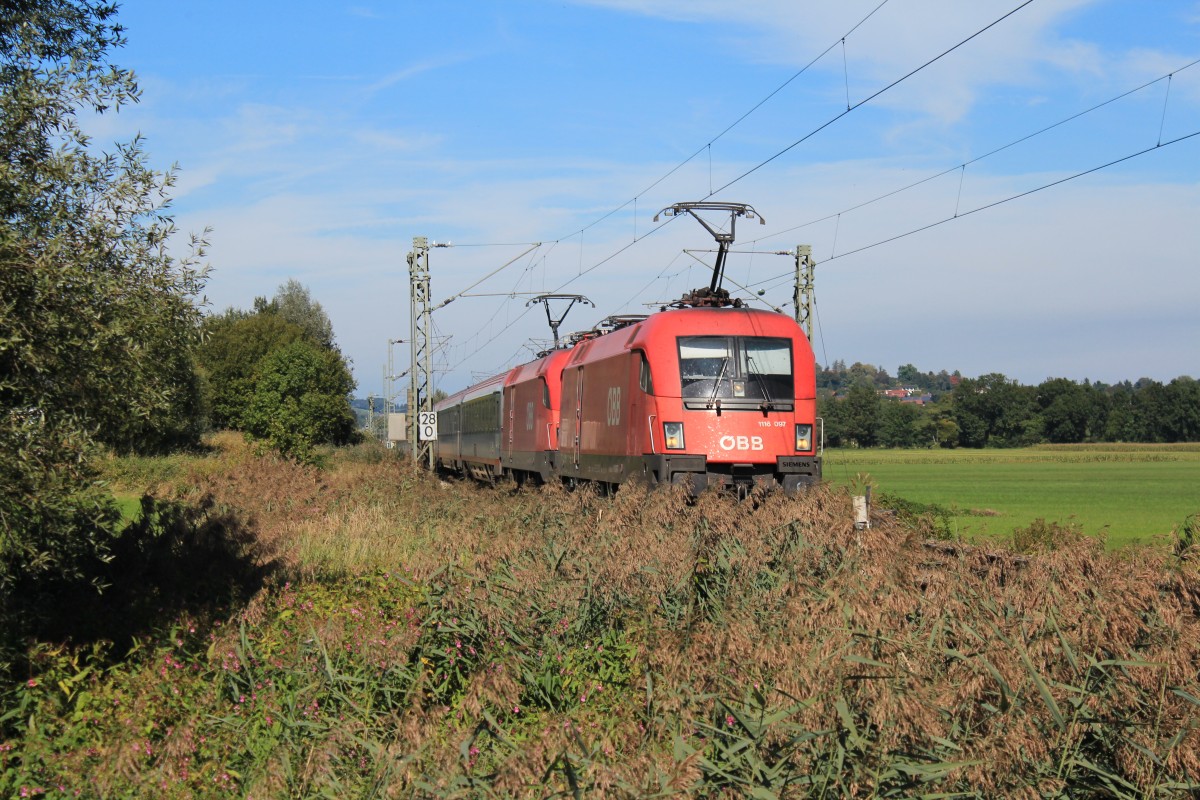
{"points": [[449, 640], [774, 644]]}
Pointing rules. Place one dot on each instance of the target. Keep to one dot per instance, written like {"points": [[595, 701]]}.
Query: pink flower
{"points": [[31, 683]]}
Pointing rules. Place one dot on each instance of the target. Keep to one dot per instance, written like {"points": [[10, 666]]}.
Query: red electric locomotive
{"points": [[702, 396], [710, 393]]}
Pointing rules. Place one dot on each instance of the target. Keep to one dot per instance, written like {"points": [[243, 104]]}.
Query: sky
{"points": [[317, 139]]}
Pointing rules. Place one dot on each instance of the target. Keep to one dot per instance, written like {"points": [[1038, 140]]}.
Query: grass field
{"points": [[1126, 493]]}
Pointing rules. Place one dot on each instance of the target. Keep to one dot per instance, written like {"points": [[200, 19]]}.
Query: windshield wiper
{"points": [[768, 404], [717, 385]]}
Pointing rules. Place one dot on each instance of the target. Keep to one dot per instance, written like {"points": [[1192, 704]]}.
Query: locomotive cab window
{"points": [[644, 380], [743, 372]]}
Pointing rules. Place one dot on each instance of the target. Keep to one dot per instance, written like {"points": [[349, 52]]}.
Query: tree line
{"points": [[995, 411]]}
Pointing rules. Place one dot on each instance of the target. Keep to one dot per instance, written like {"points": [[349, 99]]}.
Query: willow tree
{"points": [[97, 319]]}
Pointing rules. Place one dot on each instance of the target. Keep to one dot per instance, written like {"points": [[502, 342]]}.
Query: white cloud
{"points": [[411, 71], [385, 141]]}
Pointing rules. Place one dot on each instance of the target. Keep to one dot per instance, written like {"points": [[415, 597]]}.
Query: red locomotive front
{"points": [[702, 396], [736, 398]]}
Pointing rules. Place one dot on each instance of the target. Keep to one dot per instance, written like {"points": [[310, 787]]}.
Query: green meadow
{"points": [[1125, 493]]}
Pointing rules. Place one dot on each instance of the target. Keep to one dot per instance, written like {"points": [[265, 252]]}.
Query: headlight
{"points": [[804, 437], [673, 433]]}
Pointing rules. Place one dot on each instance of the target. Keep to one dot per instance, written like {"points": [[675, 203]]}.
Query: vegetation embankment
{"points": [[1124, 493], [410, 637]]}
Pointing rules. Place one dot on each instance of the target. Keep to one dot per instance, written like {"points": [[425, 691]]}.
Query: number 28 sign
{"points": [[427, 426]]}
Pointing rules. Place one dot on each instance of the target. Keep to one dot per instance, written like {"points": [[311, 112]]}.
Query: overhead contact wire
{"points": [[734, 124], [871, 97], [707, 147], [988, 154], [790, 147], [824, 125], [1002, 201]]}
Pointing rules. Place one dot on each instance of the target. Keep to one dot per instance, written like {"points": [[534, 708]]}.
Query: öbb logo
{"points": [[741, 443], [614, 405]]}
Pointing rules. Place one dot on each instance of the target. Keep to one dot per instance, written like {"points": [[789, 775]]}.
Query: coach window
{"points": [[644, 379], [545, 393]]}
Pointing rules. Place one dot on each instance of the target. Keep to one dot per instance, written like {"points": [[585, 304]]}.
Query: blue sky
{"points": [[317, 139]]}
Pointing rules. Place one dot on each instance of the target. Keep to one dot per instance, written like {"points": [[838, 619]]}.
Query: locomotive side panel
{"points": [[532, 415], [641, 411], [595, 440], [528, 425]]}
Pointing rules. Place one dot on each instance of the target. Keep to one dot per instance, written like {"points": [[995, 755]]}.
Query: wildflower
{"points": [[31, 683]]}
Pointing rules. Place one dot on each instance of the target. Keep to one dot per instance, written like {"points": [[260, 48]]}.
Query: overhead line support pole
{"points": [[803, 298], [420, 349]]}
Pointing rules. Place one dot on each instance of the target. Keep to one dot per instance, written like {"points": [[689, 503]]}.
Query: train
{"points": [[699, 396]]}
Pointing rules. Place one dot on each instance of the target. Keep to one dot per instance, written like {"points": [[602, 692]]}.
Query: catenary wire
{"points": [[996, 203], [979, 158], [708, 146], [871, 97], [821, 127], [804, 138], [849, 110]]}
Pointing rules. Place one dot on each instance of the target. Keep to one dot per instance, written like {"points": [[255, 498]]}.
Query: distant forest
{"points": [[947, 410]]}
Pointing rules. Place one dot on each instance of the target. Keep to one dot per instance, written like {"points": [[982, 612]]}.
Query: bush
{"points": [[301, 400], [1042, 536]]}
